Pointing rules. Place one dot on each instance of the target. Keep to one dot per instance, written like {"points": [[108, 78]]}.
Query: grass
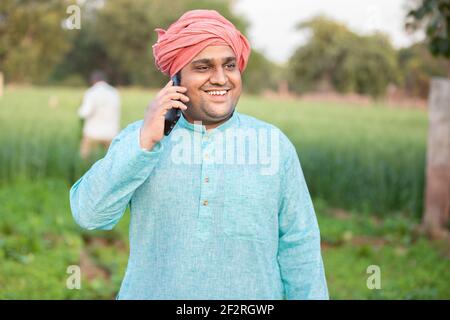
{"points": [[39, 240], [366, 161]]}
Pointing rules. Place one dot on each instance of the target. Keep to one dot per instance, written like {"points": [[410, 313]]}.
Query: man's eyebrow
{"points": [[229, 59], [210, 61], [199, 61]]}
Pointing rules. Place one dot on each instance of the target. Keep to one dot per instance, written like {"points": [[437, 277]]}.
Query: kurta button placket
{"points": [[205, 217]]}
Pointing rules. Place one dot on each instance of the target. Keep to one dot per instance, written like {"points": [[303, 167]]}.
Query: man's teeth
{"points": [[217, 93]]}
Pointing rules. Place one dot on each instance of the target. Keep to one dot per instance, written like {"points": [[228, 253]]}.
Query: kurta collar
{"points": [[183, 123]]}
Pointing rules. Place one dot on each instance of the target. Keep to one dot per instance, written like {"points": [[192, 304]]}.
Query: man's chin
{"points": [[215, 118], [220, 116]]}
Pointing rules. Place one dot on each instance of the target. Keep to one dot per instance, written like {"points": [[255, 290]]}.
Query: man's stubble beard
{"points": [[210, 118]]}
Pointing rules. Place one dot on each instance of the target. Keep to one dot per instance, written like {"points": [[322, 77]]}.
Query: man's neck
{"points": [[209, 126]]}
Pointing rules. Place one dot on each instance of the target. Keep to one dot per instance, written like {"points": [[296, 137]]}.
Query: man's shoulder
{"points": [[247, 121], [131, 127], [134, 125]]}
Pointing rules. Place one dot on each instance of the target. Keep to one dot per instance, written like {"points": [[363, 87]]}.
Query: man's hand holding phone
{"points": [[152, 130]]}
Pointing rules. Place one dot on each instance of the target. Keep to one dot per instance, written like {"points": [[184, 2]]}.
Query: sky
{"points": [[272, 22]]}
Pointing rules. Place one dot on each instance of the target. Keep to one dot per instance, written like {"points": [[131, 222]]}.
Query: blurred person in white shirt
{"points": [[100, 112]]}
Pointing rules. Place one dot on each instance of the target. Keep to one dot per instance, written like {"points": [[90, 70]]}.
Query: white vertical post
{"points": [[437, 193]]}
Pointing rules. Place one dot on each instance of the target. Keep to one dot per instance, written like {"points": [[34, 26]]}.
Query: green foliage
{"points": [[125, 29], [260, 74], [417, 66], [32, 40], [367, 66], [335, 57], [39, 240], [87, 54], [434, 16], [116, 37]]}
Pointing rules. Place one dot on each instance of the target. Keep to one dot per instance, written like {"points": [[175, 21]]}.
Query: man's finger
{"points": [[164, 89], [174, 104], [176, 89], [177, 96]]}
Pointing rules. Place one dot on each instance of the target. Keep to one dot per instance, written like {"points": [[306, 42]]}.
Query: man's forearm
{"points": [[302, 268]]}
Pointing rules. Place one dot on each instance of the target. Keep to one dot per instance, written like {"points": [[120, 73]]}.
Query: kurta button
{"points": [[206, 179], [205, 202]]}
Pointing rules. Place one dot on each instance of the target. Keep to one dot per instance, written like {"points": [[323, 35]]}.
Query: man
{"points": [[100, 112], [206, 223]]}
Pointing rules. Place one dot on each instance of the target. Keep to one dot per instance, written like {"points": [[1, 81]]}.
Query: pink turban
{"points": [[193, 32]]}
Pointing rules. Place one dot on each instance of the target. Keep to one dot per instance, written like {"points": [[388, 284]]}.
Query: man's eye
{"points": [[231, 65], [202, 68]]}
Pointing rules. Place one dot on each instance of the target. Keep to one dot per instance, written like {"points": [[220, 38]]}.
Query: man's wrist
{"points": [[145, 145]]}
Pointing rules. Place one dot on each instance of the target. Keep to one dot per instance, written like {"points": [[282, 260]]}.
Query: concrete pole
{"points": [[437, 193]]}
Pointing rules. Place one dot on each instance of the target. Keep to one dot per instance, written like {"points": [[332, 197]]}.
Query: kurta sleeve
{"points": [[100, 197], [299, 254]]}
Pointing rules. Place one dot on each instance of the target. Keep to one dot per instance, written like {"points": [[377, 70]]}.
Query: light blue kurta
{"points": [[205, 225]]}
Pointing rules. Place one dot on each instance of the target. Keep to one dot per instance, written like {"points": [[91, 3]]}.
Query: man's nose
{"points": [[218, 77]]}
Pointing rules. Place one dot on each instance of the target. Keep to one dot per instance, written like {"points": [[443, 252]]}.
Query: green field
{"points": [[364, 167]]}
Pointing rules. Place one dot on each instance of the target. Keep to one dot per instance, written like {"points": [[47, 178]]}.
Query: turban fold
{"points": [[193, 32]]}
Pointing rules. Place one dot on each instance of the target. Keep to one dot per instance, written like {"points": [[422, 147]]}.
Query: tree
{"points": [[87, 53], [367, 65], [434, 16], [315, 62], [118, 38], [261, 73], [335, 57], [417, 66], [32, 40]]}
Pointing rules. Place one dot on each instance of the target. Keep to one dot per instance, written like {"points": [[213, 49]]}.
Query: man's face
{"points": [[213, 83]]}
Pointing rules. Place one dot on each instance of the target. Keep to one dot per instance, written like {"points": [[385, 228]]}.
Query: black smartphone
{"points": [[173, 114]]}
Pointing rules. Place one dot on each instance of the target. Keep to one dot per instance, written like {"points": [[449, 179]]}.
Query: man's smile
{"points": [[217, 95]]}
